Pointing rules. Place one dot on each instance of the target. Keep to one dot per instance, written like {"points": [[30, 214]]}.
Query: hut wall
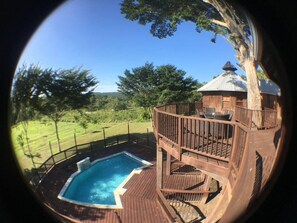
{"points": [[224, 100], [212, 100], [269, 101]]}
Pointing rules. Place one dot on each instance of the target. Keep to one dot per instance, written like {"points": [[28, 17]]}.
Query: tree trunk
{"points": [[57, 135], [25, 128], [253, 92], [254, 97]]}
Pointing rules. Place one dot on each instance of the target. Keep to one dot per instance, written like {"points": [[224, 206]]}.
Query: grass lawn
{"points": [[41, 133]]}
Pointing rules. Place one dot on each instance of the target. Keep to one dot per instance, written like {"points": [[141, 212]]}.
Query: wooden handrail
{"points": [[170, 190], [173, 217], [245, 116]]}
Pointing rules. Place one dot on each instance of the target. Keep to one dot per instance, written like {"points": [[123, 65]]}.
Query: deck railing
{"points": [[224, 141], [205, 137], [246, 117], [43, 168]]}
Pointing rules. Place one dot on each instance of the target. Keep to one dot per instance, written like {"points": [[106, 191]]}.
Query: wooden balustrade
{"points": [[246, 117], [206, 137], [223, 141]]}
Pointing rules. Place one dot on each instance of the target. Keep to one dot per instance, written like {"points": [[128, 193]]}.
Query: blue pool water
{"points": [[96, 184]]}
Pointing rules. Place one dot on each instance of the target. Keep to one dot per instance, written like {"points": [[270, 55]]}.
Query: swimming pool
{"points": [[102, 183]]}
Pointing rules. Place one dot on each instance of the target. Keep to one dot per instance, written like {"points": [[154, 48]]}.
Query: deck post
{"points": [[206, 186], [159, 167], [168, 164], [180, 132]]}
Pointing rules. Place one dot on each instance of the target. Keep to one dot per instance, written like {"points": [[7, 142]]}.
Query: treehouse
{"points": [[229, 90], [213, 162]]}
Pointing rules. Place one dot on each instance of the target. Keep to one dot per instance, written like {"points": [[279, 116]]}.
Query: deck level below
{"points": [[139, 201]]}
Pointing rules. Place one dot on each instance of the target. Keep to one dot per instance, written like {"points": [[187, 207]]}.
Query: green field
{"points": [[41, 133]]}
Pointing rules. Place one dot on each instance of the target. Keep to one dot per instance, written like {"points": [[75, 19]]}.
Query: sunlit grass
{"points": [[41, 133]]}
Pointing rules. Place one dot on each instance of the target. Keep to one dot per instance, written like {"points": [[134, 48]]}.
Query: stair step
{"points": [[187, 212]]}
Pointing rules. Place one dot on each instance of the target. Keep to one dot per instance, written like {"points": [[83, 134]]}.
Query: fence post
{"points": [[104, 137], [75, 142], [147, 136], [128, 132], [50, 146]]}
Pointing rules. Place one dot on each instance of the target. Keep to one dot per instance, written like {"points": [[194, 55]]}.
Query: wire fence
{"points": [[42, 169]]}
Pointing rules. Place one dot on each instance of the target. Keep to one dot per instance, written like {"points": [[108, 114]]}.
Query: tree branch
{"points": [[218, 22], [232, 25]]}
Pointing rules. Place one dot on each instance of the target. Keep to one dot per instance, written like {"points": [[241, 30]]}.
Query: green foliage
{"points": [[117, 104], [261, 75], [84, 124], [165, 16], [52, 92], [149, 86]]}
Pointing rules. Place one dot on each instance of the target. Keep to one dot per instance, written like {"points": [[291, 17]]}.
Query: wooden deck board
{"points": [[139, 202]]}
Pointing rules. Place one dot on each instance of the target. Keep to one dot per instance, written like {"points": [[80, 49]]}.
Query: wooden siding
{"points": [[224, 100]]}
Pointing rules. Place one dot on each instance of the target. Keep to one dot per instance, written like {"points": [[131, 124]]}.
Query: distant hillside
{"points": [[116, 94]]}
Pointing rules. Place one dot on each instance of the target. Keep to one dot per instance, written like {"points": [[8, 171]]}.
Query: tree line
{"points": [[53, 93]]}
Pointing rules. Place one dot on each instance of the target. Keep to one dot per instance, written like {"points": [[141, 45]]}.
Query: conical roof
{"points": [[230, 81], [227, 81], [229, 66]]}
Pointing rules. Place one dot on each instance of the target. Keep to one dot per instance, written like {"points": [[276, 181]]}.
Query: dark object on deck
{"points": [[210, 111], [222, 117]]}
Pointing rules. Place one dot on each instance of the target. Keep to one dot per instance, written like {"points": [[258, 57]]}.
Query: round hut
{"points": [[229, 90]]}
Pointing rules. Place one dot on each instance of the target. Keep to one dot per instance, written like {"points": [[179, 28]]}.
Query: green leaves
{"points": [[164, 16], [149, 86], [52, 92]]}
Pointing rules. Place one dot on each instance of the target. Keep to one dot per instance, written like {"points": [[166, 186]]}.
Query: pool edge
{"points": [[120, 190]]}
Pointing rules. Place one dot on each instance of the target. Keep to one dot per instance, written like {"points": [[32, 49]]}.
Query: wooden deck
{"points": [[235, 153], [238, 157], [139, 201]]}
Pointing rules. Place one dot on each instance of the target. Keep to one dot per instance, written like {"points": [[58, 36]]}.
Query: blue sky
{"points": [[94, 34]]}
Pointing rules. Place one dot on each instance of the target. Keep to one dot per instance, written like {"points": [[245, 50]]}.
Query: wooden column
{"points": [[159, 167], [168, 164], [206, 188]]}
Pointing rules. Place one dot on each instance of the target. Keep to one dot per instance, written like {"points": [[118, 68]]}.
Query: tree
{"points": [[21, 98], [148, 86], [216, 16], [52, 93], [117, 103]]}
